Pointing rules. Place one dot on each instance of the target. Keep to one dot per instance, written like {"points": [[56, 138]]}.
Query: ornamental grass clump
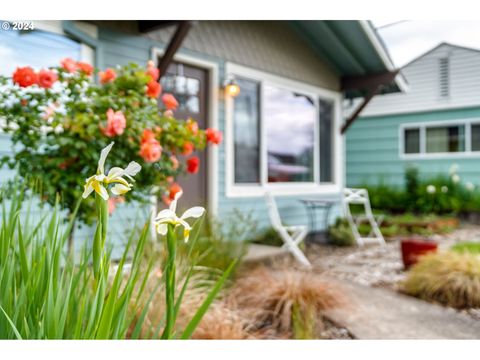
{"points": [[449, 278], [287, 300]]}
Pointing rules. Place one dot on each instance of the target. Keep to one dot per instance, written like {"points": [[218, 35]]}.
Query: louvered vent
{"points": [[444, 77]]}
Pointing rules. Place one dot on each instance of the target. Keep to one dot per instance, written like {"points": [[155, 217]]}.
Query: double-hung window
{"points": [[281, 136]]}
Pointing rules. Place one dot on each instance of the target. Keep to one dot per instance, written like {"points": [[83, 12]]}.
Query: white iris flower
{"points": [[100, 181], [168, 216]]}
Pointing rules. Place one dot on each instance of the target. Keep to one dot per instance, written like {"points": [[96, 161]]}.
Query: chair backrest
{"points": [[353, 196], [273, 211]]}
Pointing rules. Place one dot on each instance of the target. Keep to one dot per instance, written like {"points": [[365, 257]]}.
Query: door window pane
{"points": [[412, 141], [475, 137], [38, 49], [445, 139], [289, 125], [246, 133], [326, 140]]}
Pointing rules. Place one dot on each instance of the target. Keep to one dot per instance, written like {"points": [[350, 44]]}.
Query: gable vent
{"points": [[444, 73]]}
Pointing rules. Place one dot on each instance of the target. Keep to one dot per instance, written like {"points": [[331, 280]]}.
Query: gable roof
{"points": [[442, 44]]}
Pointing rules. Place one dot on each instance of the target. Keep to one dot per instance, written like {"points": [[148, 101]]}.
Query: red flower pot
{"points": [[413, 249]]}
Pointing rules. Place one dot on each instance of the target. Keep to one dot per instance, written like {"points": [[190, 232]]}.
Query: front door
{"points": [[189, 86]]}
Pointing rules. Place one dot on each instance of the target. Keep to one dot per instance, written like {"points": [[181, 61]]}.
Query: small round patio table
{"points": [[313, 205]]}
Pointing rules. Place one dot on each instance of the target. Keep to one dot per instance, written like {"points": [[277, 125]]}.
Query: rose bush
{"points": [[59, 117]]}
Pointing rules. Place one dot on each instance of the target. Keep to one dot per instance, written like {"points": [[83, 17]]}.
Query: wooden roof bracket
{"points": [[373, 84], [183, 28]]}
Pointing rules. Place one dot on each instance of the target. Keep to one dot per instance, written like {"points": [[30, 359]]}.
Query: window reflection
{"points": [[246, 133], [38, 49], [185, 89], [289, 125]]}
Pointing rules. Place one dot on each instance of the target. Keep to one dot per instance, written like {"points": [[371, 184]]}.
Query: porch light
{"points": [[231, 87]]}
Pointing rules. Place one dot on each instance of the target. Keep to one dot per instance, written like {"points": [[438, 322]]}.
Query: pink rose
{"points": [[116, 123]]}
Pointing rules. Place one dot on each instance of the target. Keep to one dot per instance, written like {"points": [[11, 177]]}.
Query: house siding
{"points": [[373, 143], [268, 46]]}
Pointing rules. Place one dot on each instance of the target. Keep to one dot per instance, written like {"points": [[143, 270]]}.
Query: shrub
{"points": [[287, 300], [56, 131], [340, 233], [449, 278], [269, 237], [467, 247]]}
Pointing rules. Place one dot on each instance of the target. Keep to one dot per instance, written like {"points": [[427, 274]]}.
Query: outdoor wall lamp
{"points": [[231, 87]]}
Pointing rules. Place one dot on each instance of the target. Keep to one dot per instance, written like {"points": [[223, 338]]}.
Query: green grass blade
{"points": [[17, 334]]}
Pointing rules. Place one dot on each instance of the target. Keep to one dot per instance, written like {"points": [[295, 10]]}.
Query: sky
{"points": [[408, 39]]}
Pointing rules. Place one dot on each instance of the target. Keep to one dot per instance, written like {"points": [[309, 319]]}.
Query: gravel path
{"points": [[379, 266]]}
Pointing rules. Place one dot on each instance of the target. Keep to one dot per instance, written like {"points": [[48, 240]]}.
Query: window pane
{"points": [[37, 49], [446, 139], [326, 140], [289, 126], [246, 134], [476, 137], [412, 141]]}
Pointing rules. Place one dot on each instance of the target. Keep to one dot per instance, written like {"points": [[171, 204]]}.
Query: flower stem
{"points": [[170, 282], [100, 236]]}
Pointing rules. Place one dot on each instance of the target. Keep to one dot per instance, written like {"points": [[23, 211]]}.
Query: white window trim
{"points": [[233, 190], [422, 126]]}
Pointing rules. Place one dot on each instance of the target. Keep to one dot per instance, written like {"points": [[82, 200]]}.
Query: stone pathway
{"points": [[375, 313]]}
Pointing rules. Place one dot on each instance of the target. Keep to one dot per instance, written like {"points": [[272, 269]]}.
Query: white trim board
{"points": [[212, 119], [423, 155], [233, 190]]}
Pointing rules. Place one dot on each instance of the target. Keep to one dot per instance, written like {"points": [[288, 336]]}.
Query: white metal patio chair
{"points": [[360, 197], [292, 236]]}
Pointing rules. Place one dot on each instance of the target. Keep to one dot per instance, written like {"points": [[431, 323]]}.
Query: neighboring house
{"points": [[434, 125], [281, 133]]}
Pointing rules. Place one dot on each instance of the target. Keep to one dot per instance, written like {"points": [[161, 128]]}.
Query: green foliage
{"points": [[440, 194], [57, 131], [45, 294], [467, 247], [449, 278], [268, 236], [340, 233]]}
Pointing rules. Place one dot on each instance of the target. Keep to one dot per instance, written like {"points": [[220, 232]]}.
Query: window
{"points": [[280, 136], [412, 141], [453, 137], [289, 128], [38, 49], [246, 133], [445, 139]]}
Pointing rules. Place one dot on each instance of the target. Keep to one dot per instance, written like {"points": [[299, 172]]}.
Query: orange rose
{"points": [[170, 102], [192, 126], [86, 68], [151, 151], [46, 78], [25, 76], [187, 148], [174, 161], [69, 65], [147, 136], [174, 189], [107, 76], [153, 89]]}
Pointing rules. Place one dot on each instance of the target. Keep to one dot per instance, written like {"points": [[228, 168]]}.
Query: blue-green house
{"points": [[281, 133], [434, 125]]}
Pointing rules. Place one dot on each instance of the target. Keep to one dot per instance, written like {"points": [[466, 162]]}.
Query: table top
{"points": [[318, 201]]}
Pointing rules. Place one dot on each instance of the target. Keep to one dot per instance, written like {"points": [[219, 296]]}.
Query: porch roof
{"points": [[354, 50]]}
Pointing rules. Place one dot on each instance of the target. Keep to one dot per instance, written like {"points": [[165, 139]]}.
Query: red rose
{"points": [[187, 148], [193, 165], [153, 89], [213, 136], [107, 76], [69, 65], [153, 71], [46, 78], [25, 76], [174, 189], [86, 68], [170, 102]]}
